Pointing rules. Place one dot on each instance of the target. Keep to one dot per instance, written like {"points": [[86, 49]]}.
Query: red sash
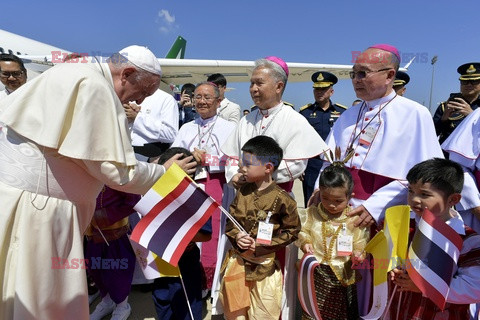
{"points": [[477, 178], [366, 183], [287, 186]]}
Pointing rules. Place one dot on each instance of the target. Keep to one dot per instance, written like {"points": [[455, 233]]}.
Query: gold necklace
{"points": [[329, 252]]}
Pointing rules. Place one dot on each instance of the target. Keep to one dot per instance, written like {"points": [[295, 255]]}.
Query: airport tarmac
{"points": [[140, 297]]}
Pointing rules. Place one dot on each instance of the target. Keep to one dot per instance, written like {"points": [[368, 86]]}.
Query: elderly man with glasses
{"points": [[380, 140], [12, 73], [450, 113]]}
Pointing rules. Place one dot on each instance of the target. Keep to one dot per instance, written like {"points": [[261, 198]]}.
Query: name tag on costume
{"points": [[368, 134], [264, 234], [344, 245]]}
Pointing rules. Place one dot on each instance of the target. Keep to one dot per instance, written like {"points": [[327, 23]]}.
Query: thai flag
{"points": [[432, 257], [174, 211], [306, 286]]}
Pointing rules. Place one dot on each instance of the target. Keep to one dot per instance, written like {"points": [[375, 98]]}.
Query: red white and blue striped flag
{"points": [[174, 211], [432, 257], [306, 286]]}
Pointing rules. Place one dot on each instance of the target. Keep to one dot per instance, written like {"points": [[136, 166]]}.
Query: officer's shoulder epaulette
{"points": [[442, 105], [305, 106], [288, 104], [341, 106]]}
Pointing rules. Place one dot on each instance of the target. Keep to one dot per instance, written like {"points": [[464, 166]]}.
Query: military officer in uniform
{"points": [[321, 114], [401, 80], [450, 113]]}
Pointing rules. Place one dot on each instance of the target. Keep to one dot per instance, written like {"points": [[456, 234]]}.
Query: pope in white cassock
{"points": [[65, 136], [298, 140]]}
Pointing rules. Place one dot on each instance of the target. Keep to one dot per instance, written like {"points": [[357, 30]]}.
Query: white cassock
{"points": [[209, 135], [3, 94], [388, 136], [401, 135], [66, 136], [463, 146], [299, 142], [206, 134], [229, 110]]}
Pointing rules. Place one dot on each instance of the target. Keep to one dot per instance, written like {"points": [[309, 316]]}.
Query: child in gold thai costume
{"points": [[329, 234]]}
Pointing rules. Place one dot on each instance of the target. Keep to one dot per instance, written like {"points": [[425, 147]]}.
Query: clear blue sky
{"points": [[297, 31]]}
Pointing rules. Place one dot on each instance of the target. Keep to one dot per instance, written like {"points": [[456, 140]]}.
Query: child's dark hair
{"points": [[444, 175], [170, 152], [335, 176], [265, 149]]}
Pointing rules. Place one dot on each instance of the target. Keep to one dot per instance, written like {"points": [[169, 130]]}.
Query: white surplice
{"points": [[403, 135], [463, 146], [297, 138]]}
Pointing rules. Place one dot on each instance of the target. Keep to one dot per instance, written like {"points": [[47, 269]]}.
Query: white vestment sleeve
{"points": [[392, 194], [161, 127], [136, 179], [470, 193], [290, 170], [231, 169], [465, 285], [157, 120], [234, 116]]}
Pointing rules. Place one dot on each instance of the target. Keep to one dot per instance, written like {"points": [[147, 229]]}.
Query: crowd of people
{"points": [[81, 143]]}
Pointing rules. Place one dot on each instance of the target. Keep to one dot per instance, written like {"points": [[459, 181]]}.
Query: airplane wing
{"points": [[175, 71], [180, 71]]}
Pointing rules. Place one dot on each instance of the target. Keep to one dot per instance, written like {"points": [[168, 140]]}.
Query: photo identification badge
{"points": [[265, 231], [367, 136], [344, 242]]}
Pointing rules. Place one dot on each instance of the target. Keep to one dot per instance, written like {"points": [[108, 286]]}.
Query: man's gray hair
{"points": [[211, 84], [277, 71]]}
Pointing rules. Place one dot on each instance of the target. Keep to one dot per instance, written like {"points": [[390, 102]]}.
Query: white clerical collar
{"points": [[382, 100], [204, 122], [268, 112]]}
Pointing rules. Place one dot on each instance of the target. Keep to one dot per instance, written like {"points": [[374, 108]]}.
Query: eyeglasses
{"points": [[472, 82], [207, 98], [15, 74], [364, 73]]}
